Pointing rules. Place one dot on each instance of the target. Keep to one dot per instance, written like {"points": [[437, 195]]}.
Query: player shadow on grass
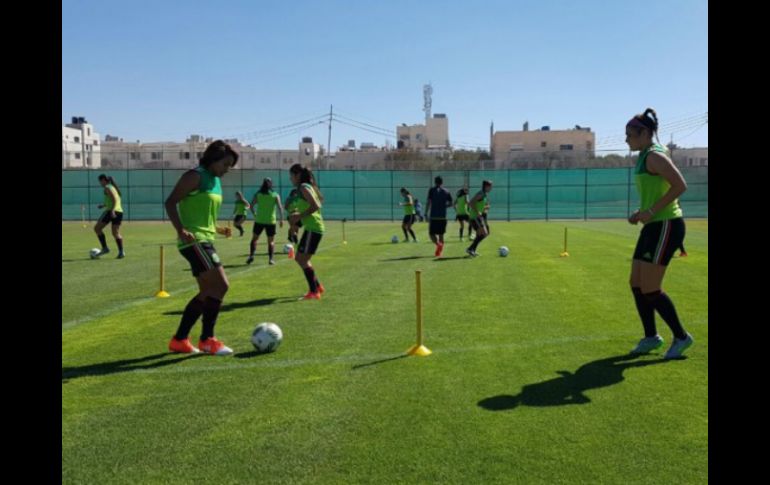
{"points": [[127, 365], [245, 304], [451, 258], [570, 388], [380, 361], [405, 258]]}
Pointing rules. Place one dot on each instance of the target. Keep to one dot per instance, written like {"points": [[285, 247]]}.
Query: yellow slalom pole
{"points": [[419, 348], [83, 215], [162, 293], [565, 253]]}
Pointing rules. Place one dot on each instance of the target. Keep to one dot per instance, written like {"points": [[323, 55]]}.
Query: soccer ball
{"points": [[394, 239], [266, 337], [287, 248], [94, 253], [503, 251]]}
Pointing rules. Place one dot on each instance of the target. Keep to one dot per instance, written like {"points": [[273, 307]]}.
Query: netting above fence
{"points": [[599, 193]]}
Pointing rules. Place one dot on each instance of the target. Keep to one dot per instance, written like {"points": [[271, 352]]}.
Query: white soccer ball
{"points": [[266, 337], [94, 253], [394, 239], [503, 251], [287, 248]]}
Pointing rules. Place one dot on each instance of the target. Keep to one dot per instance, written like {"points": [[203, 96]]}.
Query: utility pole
{"points": [[329, 139]]}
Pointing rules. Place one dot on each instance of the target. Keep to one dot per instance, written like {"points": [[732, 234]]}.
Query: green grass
{"points": [[529, 381]]}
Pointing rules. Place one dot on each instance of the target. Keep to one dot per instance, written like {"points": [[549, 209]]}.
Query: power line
{"points": [[277, 135], [366, 124], [692, 132], [376, 132]]}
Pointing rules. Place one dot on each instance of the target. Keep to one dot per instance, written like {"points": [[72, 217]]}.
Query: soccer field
{"points": [[530, 380]]}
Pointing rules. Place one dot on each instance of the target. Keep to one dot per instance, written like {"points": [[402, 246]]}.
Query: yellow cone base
{"points": [[564, 254], [420, 350], [162, 294]]}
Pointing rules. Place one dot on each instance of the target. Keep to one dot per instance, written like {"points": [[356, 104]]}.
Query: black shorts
{"points": [[269, 229], [309, 242], [239, 219], [202, 257], [106, 219], [462, 217], [477, 224], [659, 240], [408, 219], [437, 226]]}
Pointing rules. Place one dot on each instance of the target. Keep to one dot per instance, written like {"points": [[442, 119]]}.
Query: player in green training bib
{"points": [[461, 211], [193, 207], [113, 213], [409, 214], [308, 207], [265, 201], [291, 208], [240, 212], [660, 184], [476, 211]]}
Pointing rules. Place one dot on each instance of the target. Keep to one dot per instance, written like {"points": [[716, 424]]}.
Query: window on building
{"points": [[77, 139], [285, 160], [199, 155], [704, 161], [77, 155], [88, 130], [588, 145], [404, 137], [96, 142], [418, 136], [156, 155], [565, 147], [184, 155], [134, 155], [262, 160], [543, 144]]}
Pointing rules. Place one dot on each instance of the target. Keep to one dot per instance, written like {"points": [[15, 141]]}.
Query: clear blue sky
{"points": [[161, 70]]}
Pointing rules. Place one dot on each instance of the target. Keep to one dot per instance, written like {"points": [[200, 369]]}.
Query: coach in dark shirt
{"points": [[439, 199]]}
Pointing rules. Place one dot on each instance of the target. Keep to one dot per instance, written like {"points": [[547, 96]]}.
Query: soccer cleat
{"points": [[648, 344], [470, 252], [678, 347], [104, 251], [214, 347], [683, 254], [439, 250], [271, 262], [121, 255], [415, 240], [182, 346], [311, 296], [250, 260], [321, 289]]}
